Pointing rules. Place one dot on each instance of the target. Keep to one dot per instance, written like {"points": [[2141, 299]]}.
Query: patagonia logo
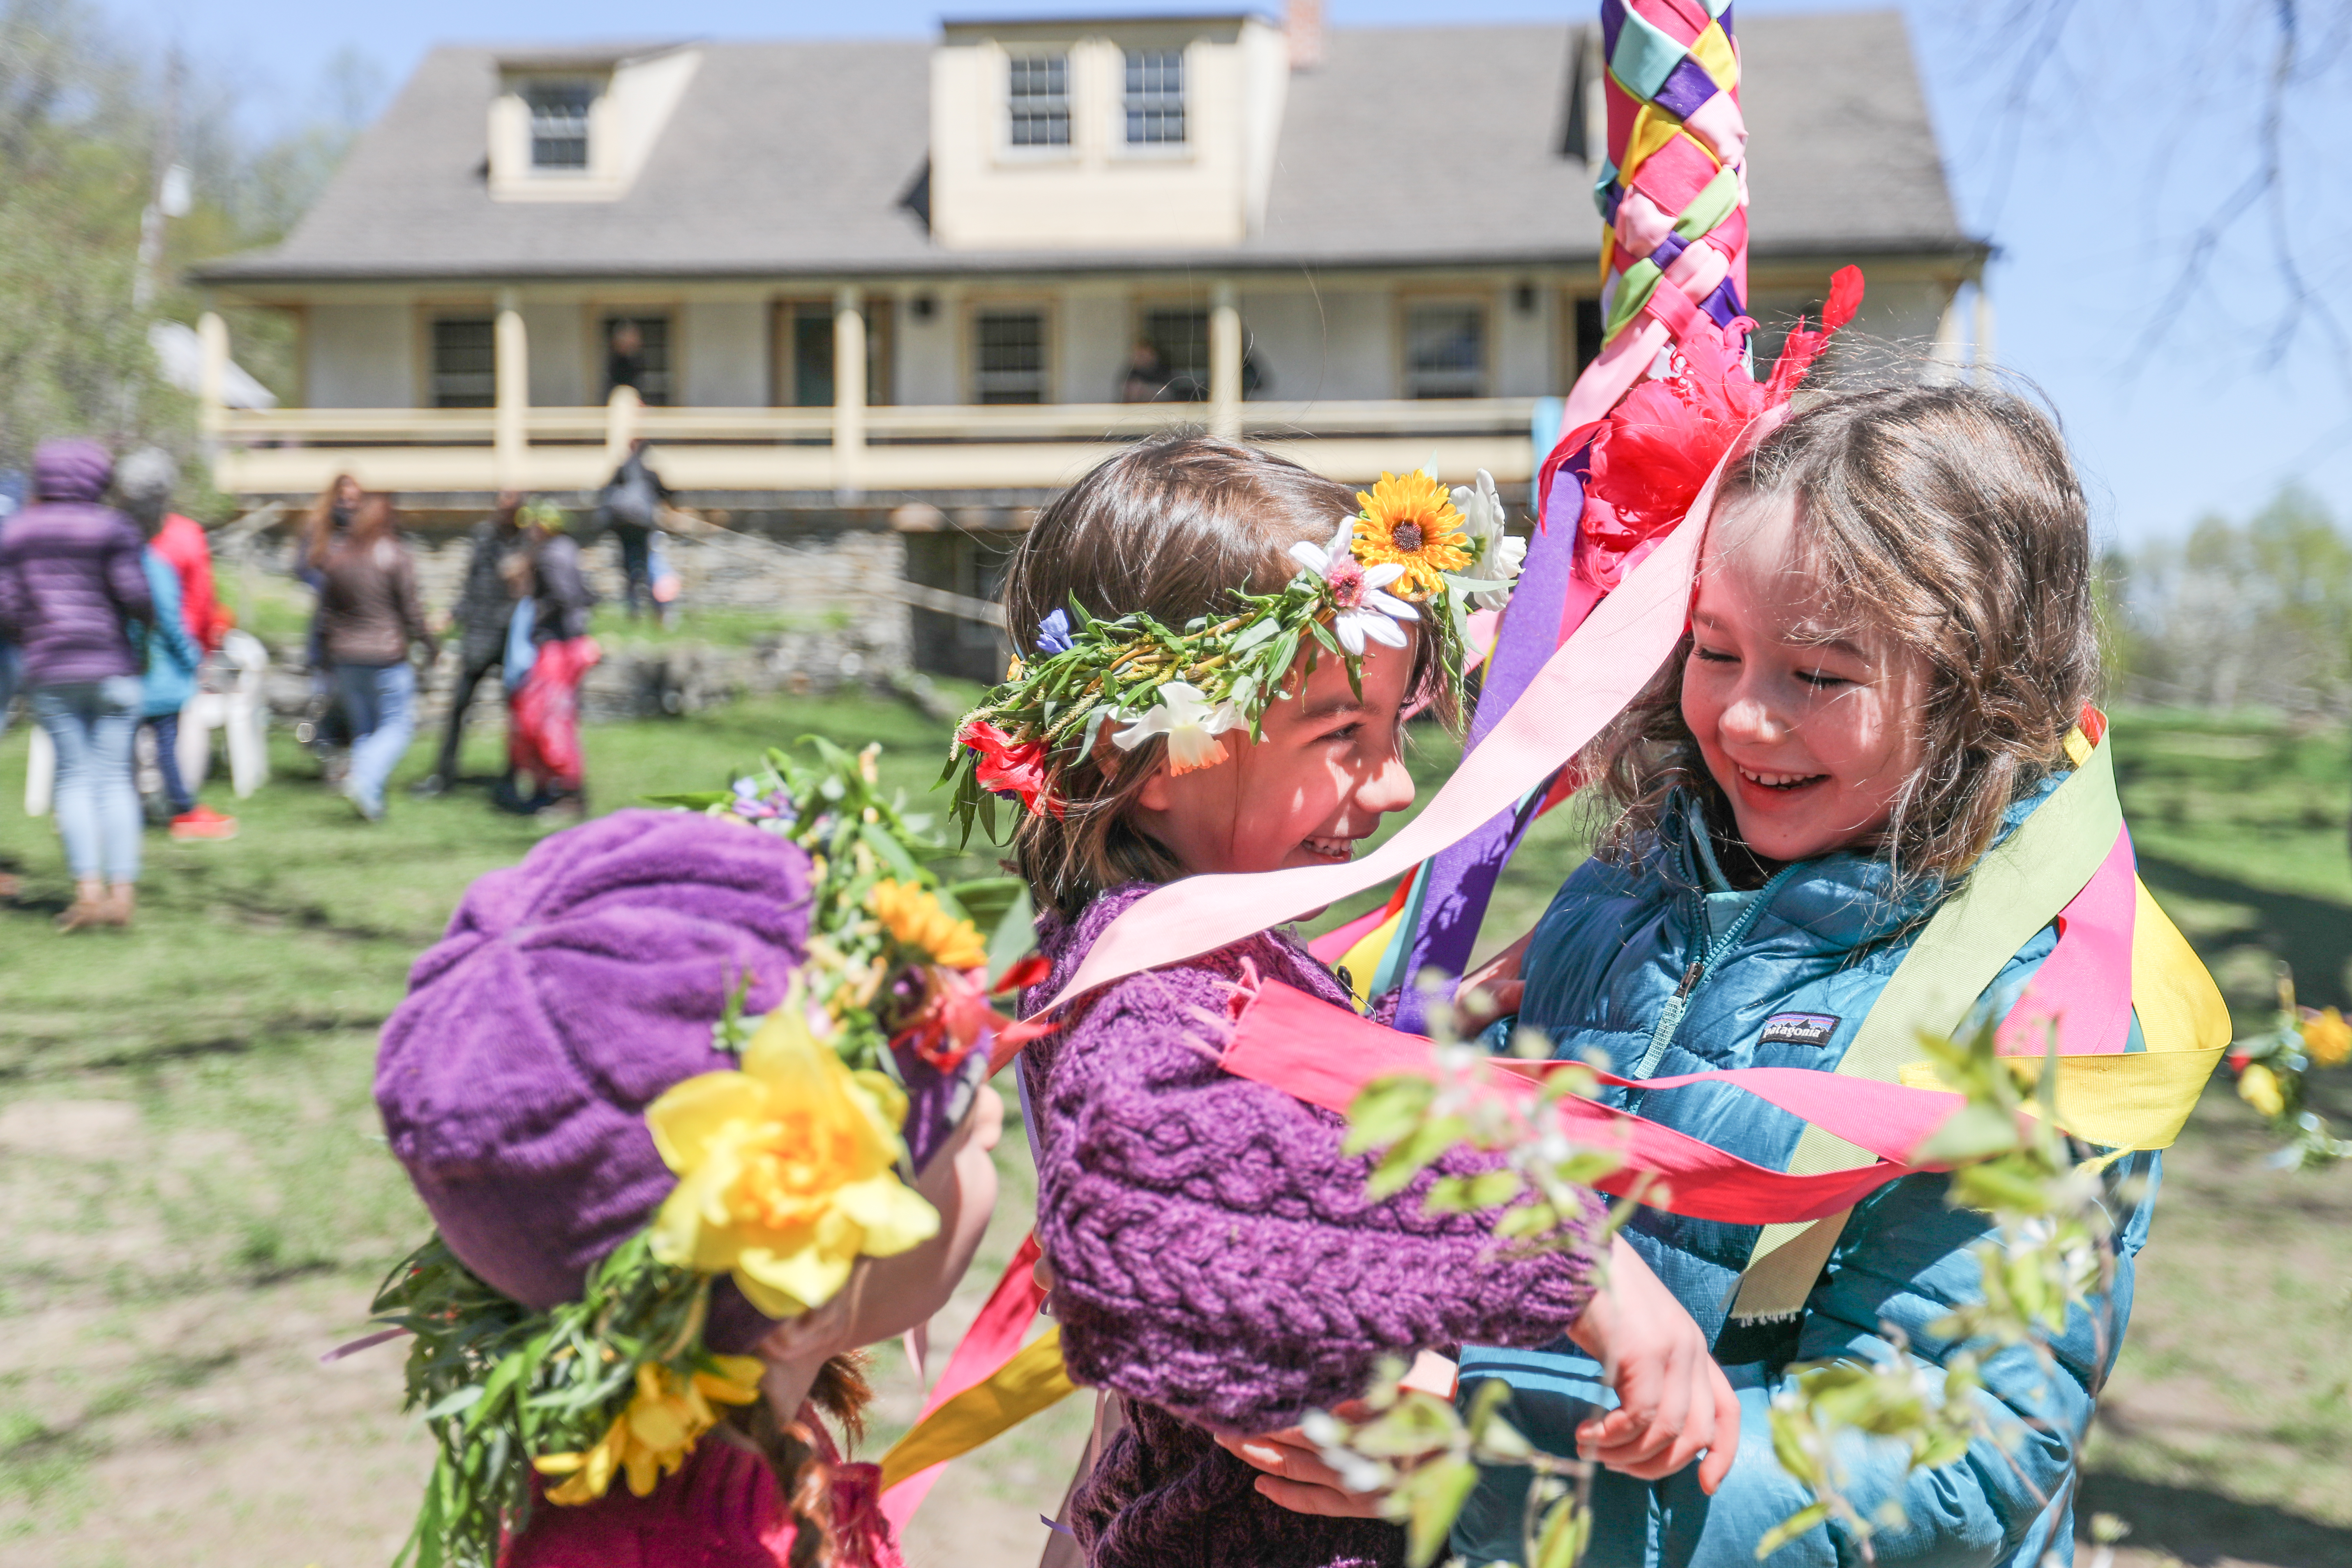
{"points": [[1799, 1028]]}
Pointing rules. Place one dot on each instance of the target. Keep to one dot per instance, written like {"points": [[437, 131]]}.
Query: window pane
{"points": [[1445, 351], [1039, 96], [1155, 96], [1180, 338], [559, 123], [464, 364], [1009, 356]]}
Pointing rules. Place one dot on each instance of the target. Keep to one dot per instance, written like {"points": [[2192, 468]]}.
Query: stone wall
{"points": [[826, 597]]}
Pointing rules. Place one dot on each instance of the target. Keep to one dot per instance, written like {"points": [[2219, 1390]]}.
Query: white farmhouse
{"points": [[856, 282]]}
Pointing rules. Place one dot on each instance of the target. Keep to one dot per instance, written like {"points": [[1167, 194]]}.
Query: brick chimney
{"points": [[1302, 23]]}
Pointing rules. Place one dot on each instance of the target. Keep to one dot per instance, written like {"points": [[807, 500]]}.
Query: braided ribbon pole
{"points": [[1672, 186]]}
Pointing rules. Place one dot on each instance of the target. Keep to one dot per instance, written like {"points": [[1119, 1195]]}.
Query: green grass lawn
{"points": [[200, 1201]]}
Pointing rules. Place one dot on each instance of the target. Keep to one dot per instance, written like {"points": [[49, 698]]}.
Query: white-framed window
{"points": [[1445, 349], [464, 363], [1037, 95], [559, 123], [1154, 98], [1008, 358]]}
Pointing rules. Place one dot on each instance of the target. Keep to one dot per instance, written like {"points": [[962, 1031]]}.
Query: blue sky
{"points": [[2093, 191]]}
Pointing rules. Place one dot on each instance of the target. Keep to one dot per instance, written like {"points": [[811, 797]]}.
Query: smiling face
{"points": [[1318, 783], [1809, 730]]}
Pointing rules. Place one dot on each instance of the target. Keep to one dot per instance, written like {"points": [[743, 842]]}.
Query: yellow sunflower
{"points": [[1410, 520]]}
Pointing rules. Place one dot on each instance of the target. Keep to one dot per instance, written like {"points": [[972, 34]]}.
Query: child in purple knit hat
{"points": [[1218, 1266], [605, 1170]]}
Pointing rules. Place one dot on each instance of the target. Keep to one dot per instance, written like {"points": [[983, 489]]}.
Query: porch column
{"points": [[1950, 332], [509, 441], [211, 385], [1986, 362], [1224, 362], [848, 392]]}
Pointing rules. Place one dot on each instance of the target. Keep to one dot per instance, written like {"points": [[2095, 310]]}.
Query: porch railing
{"points": [[885, 451]]}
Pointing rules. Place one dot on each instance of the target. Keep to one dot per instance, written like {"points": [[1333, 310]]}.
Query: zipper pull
{"points": [[1670, 1017]]}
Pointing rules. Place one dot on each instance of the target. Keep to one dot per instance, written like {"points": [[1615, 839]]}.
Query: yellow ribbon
{"points": [[1032, 1380]]}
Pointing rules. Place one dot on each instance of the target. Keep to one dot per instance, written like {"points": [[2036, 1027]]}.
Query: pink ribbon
{"points": [[2084, 986], [1326, 1055]]}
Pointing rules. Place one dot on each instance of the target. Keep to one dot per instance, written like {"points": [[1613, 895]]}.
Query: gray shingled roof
{"points": [[1409, 145]]}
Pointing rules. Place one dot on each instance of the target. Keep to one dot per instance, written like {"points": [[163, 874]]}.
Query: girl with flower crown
{"points": [[1224, 649]]}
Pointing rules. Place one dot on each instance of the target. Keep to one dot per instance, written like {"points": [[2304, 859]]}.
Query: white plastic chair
{"points": [[240, 710], [40, 773]]}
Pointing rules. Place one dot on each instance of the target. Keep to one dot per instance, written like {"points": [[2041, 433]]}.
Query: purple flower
{"points": [[1053, 634], [754, 806]]}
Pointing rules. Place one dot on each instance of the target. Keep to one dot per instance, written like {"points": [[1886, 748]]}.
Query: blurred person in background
{"points": [[72, 582], [544, 718], [369, 619], [12, 496], [625, 359], [329, 518], [145, 480], [631, 507], [485, 606]]}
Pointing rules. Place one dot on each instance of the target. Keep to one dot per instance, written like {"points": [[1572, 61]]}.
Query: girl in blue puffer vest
{"points": [[1891, 641]]}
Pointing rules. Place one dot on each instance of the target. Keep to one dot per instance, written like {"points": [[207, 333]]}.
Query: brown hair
{"points": [[1949, 520], [318, 523], [1169, 526], [789, 1447]]}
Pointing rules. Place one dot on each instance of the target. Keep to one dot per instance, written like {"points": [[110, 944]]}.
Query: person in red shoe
{"points": [[145, 480]]}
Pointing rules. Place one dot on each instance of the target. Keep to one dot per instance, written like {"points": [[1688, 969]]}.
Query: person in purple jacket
{"points": [[1218, 1266], [71, 582]]}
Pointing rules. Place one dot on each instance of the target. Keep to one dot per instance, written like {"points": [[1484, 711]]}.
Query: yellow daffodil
{"points": [[1410, 520], [653, 1436], [914, 917], [786, 1170], [2258, 1087], [2327, 1037]]}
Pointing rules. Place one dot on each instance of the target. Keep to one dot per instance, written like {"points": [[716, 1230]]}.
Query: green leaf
{"points": [[692, 800], [1385, 1109], [1805, 1519], [1435, 1493], [1015, 936], [1971, 1133], [1566, 1529], [459, 1399]]}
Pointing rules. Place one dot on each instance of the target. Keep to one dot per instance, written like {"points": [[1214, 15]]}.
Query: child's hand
{"points": [[1296, 1476], [1491, 991], [1673, 1401]]}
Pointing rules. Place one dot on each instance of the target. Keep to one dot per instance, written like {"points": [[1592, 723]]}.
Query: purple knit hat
{"points": [[568, 993], [71, 470]]}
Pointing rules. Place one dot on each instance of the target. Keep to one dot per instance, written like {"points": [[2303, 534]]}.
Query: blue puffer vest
{"points": [[1660, 964]]}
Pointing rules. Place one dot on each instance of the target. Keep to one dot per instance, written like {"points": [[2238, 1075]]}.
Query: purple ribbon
{"points": [[1461, 879]]}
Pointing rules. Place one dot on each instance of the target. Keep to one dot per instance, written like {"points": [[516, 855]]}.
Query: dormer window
{"points": [[559, 123], [1040, 101], [1155, 97]]}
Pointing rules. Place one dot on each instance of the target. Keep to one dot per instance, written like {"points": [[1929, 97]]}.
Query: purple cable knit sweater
{"points": [[1217, 1262]]}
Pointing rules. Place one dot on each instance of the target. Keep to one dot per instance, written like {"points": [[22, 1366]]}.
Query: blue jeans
{"points": [[12, 669], [380, 701], [96, 799]]}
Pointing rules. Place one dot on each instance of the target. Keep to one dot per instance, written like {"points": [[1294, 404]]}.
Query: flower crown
{"points": [[788, 1169], [1413, 553]]}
